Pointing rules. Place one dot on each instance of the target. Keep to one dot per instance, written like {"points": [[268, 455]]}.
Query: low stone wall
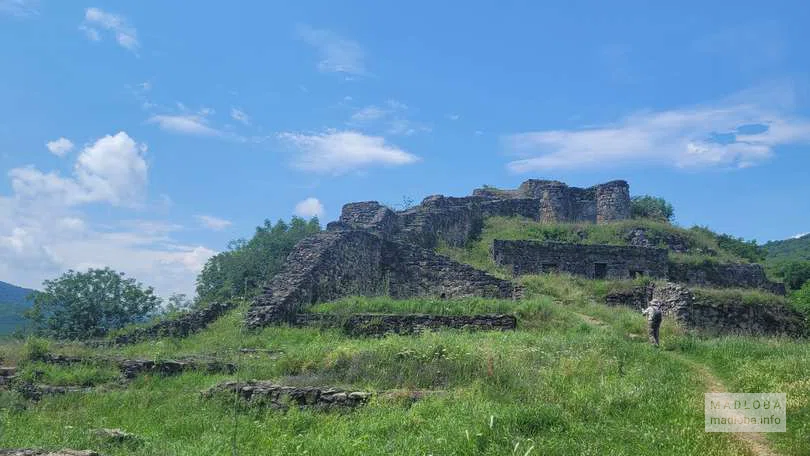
{"points": [[381, 324], [637, 297], [131, 368], [282, 397], [41, 452], [724, 275], [335, 264], [618, 262], [181, 326], [707, 311]]}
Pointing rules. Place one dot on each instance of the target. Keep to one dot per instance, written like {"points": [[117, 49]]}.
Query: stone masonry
{"points": [[381, 324], [592, 261], [373, 250], [724, 275]]}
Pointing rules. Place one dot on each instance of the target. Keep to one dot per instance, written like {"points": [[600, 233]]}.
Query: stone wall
{"points": [[181, 326], [724, 275], [381, 324], [345, 262], [282, 397], [619, 262], [722, 313], [729, 314]]}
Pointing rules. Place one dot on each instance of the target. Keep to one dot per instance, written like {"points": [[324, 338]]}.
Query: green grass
{"points": [[558, 385], [702, 245]]}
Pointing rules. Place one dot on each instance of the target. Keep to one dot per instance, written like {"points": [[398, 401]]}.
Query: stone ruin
{"points": [[373, 250]]}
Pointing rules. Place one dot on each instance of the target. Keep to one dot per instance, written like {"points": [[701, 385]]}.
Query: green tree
{"points": [[82, 305], [247, 265], [801, 298], [652, 207], [178, 303], [794, 273], [742, 248]]}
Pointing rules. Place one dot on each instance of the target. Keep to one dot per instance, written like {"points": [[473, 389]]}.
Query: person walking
{"points": [[654, 318]]}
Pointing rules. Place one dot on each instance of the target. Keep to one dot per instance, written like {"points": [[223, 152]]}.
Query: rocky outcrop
{"points": [[345, 262], [724, 275], [181, 326], [282, 397], [592, 261], [381, 324]]}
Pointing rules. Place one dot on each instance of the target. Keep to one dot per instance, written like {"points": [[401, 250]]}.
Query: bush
{"points": [[801, 299], [651, 207], [36, 348]]}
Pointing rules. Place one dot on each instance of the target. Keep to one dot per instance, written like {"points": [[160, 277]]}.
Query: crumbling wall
{"points": [[381, 324], [619, 262], [724, 275], [696, 309], [332, 265]]}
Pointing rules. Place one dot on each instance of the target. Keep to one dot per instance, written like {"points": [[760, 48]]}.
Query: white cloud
{"points": [[308, 208], [19, 8], [60, 147], [213, 223], [392, 119], [112, 170], [188, 124], [125, 34], [736, 133], [453, 116], [337, 152], [337, 54], [240, 116], [799, 236]]}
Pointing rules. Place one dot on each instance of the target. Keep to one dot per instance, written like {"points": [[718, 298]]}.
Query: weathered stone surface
{"points": [[636, 297], [336, 264], [35, 392], [372, 250], [700, 310], [724, 275], [282, 397], [181, 326], [617, 262], [41, 452], [381, 324], [131, 368], [114, 435]]}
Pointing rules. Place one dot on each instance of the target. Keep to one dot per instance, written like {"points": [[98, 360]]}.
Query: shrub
{"points": [[651, 207]]}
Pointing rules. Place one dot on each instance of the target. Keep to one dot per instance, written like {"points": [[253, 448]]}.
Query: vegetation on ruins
{"points": [[82, 305], [245, 266], [651, 207]]}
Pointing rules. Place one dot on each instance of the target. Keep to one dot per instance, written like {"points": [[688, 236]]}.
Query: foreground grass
{"points": [[557, 385]]}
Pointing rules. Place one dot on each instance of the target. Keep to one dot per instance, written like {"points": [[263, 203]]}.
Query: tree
{"points": [[247, 265], [178, 303], [652, 207], [794, 273], [82, 305], [801, 299]]}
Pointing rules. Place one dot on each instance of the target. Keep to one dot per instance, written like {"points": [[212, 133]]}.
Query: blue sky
{"points": [[145, 135]]}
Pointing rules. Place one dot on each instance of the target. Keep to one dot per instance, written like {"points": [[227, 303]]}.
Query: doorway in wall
{"points": [[599, 270]]}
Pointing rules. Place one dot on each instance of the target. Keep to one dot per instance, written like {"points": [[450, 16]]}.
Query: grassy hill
{"points": [[796, 249], [575, 378], [694, 244], [13, 302]]}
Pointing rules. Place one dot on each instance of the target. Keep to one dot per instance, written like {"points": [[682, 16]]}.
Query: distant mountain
{"points": [[13, 302], [797, 248]]}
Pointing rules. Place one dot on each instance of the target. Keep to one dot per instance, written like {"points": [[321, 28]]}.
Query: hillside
{"points": [[575, 377], [796, 249], [13, 302], [685, 245]]}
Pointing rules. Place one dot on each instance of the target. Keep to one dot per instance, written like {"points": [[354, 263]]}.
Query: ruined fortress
{"points": [[374, 250]]}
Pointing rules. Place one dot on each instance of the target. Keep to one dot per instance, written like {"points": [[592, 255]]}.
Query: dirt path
{"points": [[756, 442]]}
